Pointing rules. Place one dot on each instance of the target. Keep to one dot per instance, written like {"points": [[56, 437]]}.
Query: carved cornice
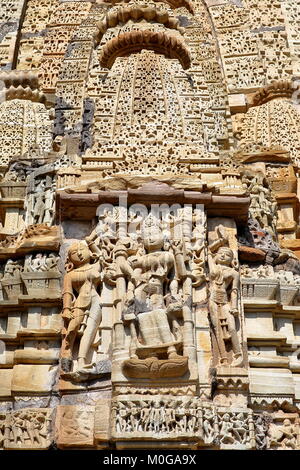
{"points": [[123, 14], [21, 85], [188, 4]]}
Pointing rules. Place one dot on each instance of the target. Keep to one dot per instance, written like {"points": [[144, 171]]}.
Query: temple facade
{"points": [[149, 224]]}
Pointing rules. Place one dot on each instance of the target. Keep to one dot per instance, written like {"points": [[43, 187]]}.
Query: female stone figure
{"points": [[223, 303], [81, 302]]}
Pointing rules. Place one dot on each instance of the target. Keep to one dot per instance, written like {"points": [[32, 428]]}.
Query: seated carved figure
{"points": [[284, 436], [154, 307]]}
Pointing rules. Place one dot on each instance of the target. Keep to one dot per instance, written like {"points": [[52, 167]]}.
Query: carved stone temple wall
{"points": [[149, 224]]}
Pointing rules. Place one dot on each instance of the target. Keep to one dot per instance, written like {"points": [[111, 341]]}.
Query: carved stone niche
{"points": [[282, 179], [236, 428], [12, 289], [41, 276], [69, 176], [11, 281], [28, 428], [13, 189], [260, 288], [40, 199], [42, 285], [75, 426], [226, 317], [154, 331]]}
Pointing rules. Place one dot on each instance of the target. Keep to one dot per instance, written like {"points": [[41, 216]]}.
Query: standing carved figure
{"points": [[170, 417], [122, 413], [157, 417], [39, 208], [261, 433], [226, 431], [81, 302], [145, 417], [208, 425], [223, 303], [19, 428], [2, 430]]}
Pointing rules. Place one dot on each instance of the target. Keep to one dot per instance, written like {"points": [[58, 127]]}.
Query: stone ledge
{"points": [[75, 205]]}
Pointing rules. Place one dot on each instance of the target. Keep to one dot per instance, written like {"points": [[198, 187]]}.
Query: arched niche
{"points": [[90, 95]]}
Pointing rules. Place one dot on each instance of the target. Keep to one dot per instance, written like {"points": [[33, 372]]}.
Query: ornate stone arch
{"points": [[271, 123], [121, 30]]}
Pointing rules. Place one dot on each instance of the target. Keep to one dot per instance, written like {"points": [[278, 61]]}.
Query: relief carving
{"points": [[82, 311], [154, 305], [284, 436], [11, 281], [224, 299], [162, 418], [28, 429], [172, 319]]}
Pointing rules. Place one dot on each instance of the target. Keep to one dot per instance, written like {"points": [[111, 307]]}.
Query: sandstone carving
{"points": [[154, 311], [82, 311], [224, 300], [28, 429], [149, 224]]}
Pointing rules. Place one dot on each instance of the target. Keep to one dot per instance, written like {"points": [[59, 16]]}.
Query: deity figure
{"points": [[226, 432], [2, 429], [261, 432], [208, 425], [170, 416], [285, 436], [81, 303], [223, 303], [154, 305], [263, 205], [240, 428], [12, 270], [38, 208]]}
